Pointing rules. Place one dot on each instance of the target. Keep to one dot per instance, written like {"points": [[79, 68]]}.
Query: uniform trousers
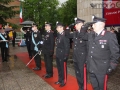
{"points": [[79, 59], [4, 53], [48, 63], [13, 42], [79, 71], [62, 70], [37, 59], [98, 81], [29, 48]]}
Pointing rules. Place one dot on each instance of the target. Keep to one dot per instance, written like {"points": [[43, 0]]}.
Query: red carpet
{"points": [[71, 80]]}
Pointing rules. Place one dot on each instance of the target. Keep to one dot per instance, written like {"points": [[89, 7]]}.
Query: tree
{"points": [[40, 11], [6, 11], [67, 12]]}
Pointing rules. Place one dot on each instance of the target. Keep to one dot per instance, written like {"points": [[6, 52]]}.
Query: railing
{"points": [[19, 36]]}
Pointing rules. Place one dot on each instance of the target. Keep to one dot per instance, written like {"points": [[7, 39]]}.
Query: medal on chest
{"points": [[35, 35], [102, 43], [46, 37], [58, 40], [102, 46]]}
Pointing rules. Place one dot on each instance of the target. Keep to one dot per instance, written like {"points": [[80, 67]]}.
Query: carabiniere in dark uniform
{"points": [[28, 41], [4, 45], [79, 51], [48, 50], [36, 46], [62, 51], [103, 54]]}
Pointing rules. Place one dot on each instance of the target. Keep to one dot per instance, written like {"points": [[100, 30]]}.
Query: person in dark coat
{"points": [[62, 51], [103, 53], [48, 50], [79, 51], [28, 41], [4, 38], [118, 36], [13, 39], [36, 46]]}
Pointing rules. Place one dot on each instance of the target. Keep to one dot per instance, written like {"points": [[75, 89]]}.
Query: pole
{"points": [[39, 52]]}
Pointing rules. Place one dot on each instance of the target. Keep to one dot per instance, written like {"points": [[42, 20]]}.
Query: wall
{"points": [[85, 11], [16, 19]]}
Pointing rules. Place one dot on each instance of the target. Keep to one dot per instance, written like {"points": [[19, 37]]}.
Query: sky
{"points": [[61, 1]]}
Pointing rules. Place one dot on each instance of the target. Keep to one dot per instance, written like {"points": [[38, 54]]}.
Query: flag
{"points": [[21, 19]]}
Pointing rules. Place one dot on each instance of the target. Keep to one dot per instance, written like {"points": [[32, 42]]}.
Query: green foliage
{"points": [[40, 11], [67, 12], [6, 12], [5, 2], [14, 26]]}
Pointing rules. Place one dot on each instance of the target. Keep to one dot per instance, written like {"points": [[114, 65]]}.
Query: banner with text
{"points": [[111, 11]]}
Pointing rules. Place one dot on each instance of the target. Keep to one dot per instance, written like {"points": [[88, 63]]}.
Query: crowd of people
{"points": [[93, 46]]}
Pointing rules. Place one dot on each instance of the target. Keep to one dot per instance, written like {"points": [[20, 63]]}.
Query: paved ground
{"points": [[15, 76]]}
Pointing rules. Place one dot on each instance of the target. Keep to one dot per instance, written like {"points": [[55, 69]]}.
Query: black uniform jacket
{"points": [[3, 44], [62, 46], [37, 37], [80, 45], [103, 52], [28, 37], [48, 43]]}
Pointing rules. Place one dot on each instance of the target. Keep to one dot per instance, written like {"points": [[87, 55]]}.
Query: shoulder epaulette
{"points": [[103, 33]]}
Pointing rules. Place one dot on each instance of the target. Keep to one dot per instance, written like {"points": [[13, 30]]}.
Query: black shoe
{"points": [[36, 69], [44, 75], [62, 85], [57, 83], [48, 76]]}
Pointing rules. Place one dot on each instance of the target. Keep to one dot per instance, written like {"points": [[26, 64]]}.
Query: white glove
{"points": [[41, 42]]}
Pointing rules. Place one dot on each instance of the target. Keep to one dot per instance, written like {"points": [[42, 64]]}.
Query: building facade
{"points": [[85, 9], [16, 19]]}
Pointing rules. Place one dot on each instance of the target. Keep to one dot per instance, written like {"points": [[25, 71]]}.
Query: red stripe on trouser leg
{"points": [[85, 78], [65, 77], [105, 82]]}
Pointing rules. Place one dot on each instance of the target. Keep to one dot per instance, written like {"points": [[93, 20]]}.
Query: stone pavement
{"points": [[15, 76]]}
